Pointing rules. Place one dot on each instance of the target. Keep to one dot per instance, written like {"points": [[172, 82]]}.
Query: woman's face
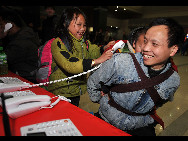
{"points": [[77, 26]]}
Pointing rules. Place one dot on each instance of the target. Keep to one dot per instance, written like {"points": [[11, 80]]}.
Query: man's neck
{"points": [[152, 72]]}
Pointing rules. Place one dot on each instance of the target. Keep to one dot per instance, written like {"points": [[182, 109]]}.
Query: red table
{"points": [[86, 123]]}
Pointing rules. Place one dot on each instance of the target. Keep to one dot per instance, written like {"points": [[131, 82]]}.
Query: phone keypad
{"points": [[63, 127], [11, 80], [20, 93]]}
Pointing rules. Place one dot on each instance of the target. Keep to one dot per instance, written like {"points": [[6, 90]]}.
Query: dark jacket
{"points": [[22, 53]]}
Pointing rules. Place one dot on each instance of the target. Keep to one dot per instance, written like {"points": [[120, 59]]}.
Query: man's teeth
{"points": [[148, 56]]}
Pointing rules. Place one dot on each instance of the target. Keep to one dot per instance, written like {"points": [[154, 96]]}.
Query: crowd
{"points": [[128, 86]]}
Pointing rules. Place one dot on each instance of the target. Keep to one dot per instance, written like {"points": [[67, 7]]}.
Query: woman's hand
{"points": [[111, 43], [105, 56]]}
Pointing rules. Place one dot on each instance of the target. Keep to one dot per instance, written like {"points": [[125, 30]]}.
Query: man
{"points": [[20, 43], [131, 111]]}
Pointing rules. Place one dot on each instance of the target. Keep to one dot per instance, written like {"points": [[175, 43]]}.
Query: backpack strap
{"points": [[66, 43], [87, 45]]}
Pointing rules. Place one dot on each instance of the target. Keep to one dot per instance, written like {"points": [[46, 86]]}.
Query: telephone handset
{"points": [[8, 26], [19, 106]]}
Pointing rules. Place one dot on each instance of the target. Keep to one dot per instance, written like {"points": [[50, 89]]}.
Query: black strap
{"points": [[66, 43], [112, 103], [145, 83]]}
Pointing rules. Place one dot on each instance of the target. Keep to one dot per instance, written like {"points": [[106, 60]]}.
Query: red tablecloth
{"points": [[86, 123]]}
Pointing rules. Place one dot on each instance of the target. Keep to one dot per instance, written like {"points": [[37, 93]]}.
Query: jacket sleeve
{"points": [[66, 60], [94, 51], [105, 74]]}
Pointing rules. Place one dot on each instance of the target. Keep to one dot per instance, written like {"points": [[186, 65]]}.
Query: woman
{"points": [[73, 54]]}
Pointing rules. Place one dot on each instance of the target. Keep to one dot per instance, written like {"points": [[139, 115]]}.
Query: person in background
{"points": [[124, 36], [99, 37], [136, 38], [20, 43], [74, 54], [106, 37], [49, 24], [185, 48], [131, 110]]}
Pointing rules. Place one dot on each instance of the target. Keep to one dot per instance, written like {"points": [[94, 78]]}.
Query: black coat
{"points": [[22, 53]]}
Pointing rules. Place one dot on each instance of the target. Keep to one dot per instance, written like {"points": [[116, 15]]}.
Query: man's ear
{"points": [[174, 49]]}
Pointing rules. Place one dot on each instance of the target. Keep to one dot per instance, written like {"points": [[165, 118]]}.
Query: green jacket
{"points": [[69, 64]]}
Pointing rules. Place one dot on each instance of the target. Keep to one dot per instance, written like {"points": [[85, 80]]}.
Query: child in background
{"points": [[73, 54], [136, 39]]}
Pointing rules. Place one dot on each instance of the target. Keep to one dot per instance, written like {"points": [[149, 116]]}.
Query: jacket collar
{"points": [[79, 40]]}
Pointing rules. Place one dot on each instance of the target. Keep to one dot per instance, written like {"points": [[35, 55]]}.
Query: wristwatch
{"points": [[92, 63]]}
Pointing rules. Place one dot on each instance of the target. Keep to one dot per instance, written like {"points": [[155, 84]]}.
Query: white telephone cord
{"points": [[120, 44], [57, 101], [64, 79], [62, 97]]}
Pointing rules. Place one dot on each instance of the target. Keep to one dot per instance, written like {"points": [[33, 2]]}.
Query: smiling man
{"points": [[134, 85], [156, 51]]}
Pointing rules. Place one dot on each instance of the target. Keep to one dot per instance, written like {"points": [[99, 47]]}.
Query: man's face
{"points": [[78, 26], [155, 50]]}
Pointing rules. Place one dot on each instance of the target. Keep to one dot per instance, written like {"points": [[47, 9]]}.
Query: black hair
{"points": [[176, 34], [61, 30], [52, 7], [135, 33], [10, 15]]}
